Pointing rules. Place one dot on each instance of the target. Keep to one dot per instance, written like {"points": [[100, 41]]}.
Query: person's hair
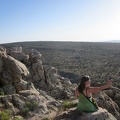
{"points": [[81, 86]]}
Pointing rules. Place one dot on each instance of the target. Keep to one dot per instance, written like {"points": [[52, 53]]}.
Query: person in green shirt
{"points": [[84, 93]]}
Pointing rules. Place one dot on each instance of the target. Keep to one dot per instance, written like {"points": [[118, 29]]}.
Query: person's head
{"points": [[85, 82]]}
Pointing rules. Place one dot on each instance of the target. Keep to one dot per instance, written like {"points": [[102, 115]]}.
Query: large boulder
{"points": [[72, 114], [106, 102], [114, 93], [14, 67], [12, 73], [2, 51], [35, 67], [18, 54], [35, 56]]}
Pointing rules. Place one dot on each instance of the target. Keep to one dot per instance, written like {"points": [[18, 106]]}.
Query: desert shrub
{"points": [[29, 106], [68, 104], [5, 115], [2, 93], [18, 119], [25, 110], [32, 105], [45, 118]]}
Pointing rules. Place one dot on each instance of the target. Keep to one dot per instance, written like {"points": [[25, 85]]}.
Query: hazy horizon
{"points": [[59, 20], [111, 41]]}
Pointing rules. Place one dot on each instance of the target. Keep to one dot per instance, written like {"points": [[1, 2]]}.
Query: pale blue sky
{"points": [[59, 20]]}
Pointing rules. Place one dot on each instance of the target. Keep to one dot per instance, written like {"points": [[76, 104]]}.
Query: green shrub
{"points": [[2, 93], [18, 119], [29, 106], [25, 110], [32, 105], [5, 115], [68, 104]]}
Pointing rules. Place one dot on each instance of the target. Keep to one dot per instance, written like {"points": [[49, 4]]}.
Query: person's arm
{"points": [[77, 93], [97, 89]]}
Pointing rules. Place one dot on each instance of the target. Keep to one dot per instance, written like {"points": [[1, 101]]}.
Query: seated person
{"points": [[84, 94]]}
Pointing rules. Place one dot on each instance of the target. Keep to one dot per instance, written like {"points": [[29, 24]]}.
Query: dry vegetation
{"points": [[100, 61]]}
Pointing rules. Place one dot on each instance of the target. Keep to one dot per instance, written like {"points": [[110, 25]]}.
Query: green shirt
{"points": [[84, 105]]}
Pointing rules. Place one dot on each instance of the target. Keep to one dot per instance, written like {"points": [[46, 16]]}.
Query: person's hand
{"points": [[109, 82]]}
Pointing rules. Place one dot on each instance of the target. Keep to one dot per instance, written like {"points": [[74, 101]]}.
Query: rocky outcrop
{"points": [[29, 103], [32, 89], [19, 94], [106, 102], [11, 75], [114, 94], [72, 114], [46, 78], [18, 54], [2, 51], [35, 67], [110, 100]]}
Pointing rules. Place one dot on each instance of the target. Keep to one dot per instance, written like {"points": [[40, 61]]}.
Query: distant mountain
{"points": [[113, 41]]}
